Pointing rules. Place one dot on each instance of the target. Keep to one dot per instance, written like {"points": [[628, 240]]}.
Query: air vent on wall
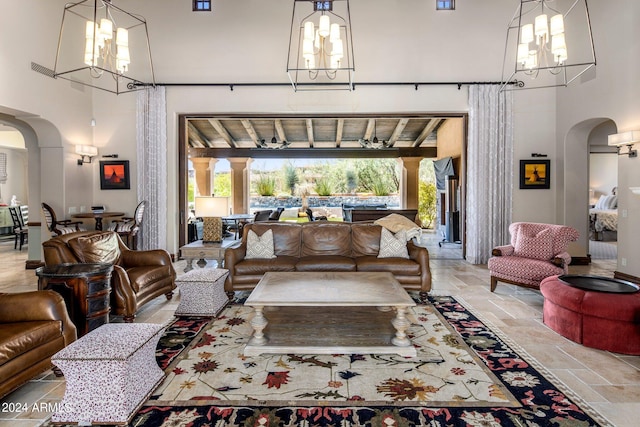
{"points": [[42, 69]]}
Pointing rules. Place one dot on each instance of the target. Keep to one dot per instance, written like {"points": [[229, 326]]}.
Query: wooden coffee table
{"points": [[329, 313]]}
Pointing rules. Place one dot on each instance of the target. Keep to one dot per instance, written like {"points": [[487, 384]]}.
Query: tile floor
{"points": [[609, 382]]}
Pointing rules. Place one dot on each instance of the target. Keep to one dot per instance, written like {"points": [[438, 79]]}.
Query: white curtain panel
{"points": [[151, 140], [489, 170]]}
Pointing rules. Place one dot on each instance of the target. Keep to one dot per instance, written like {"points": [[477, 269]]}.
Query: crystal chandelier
{"points": [[112, 39], [320, 46], [373, 143], [551, 47]]}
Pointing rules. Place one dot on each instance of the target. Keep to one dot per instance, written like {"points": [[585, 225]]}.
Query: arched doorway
{"points": [[574, 193], [42, 177]]}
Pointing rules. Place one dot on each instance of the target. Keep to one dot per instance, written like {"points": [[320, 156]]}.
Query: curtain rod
{"points": [[354, 85]]}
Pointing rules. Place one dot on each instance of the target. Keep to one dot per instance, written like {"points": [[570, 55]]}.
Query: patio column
{"points": [[409, 183], [204, 168], [240, 184]]}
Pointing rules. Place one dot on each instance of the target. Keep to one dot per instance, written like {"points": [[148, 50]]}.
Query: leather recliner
{"points": [[33, 327], [138, 276]]}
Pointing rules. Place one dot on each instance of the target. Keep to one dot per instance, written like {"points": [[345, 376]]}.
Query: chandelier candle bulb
{"points": [[334, 34], [324, 27], [122, 37], [542, 27], [526, 34], [557, 24], [106, 29]]}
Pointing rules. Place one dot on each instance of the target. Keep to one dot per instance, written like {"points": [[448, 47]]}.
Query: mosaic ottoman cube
{"points": [[202, 292], [109, 373]]}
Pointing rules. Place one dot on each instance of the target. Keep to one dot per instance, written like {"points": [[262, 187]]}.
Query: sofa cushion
{"points": [[21, 337], [395, 266], [365, 239], [326, 238], [141, 277], [530, 244], [101, 247], [260, 266], [286, 236], [395, 222], [326, 263], [260, 246], [393, 245]]}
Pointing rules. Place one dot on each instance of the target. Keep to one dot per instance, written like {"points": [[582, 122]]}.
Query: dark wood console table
{"points": [[85, 288]]}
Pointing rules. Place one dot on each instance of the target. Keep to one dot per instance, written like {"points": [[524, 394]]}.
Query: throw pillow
{"points": [[611, 202], [260, 246], [534, 245], [102, 247], [395, 222], [601, 202], [393, 245]]}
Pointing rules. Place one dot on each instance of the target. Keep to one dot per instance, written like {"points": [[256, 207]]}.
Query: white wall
{"points": [[612, 94], [603, 173], [246, 41]]}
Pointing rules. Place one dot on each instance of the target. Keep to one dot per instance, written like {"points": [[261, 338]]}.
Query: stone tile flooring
{"points": [[609, 382]]}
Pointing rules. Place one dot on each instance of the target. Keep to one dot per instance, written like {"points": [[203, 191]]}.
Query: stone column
{"points": [[409, 184], [204, 168], [240, 190]]}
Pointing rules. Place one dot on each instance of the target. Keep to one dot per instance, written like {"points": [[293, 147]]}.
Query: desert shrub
{"points": [[427, 204], [266, 185], [323, 187]]}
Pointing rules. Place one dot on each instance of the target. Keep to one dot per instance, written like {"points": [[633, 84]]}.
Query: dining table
{"points": [[237, 219], [97, 216]]}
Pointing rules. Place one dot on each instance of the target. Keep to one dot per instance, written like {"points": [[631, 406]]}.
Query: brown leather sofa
{"points": [[33, 327], [325, 246], [138, 276]]}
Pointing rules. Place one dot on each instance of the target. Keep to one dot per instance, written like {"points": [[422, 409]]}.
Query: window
{"points": [[445, 4], [201, 6], [323, 5]]}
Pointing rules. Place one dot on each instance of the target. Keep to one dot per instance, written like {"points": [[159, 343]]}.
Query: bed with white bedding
{"points": [[604, 216]]}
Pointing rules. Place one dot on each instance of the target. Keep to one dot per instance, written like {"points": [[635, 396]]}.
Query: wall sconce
{"points": [[86, 152], [212, 209], [625, 138]]}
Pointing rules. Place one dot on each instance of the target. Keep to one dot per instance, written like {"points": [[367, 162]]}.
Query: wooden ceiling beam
{"points": [[197, 137], [219, 127], [280, 130], [339, 130], [402, 123], [321, 153], [309, 123], [251, 131], [430, 127]]}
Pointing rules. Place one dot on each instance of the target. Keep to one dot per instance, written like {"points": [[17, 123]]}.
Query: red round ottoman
{"points": [[602, 320]]}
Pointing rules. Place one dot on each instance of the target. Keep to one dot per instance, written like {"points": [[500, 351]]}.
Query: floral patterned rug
{"points": [[464, 374]]}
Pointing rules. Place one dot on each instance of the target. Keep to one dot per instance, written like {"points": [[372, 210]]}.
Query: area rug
{"points": [[465, 374]]}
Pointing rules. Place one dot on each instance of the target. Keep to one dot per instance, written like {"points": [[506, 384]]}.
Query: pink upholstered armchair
{"points": [[536, 251]]}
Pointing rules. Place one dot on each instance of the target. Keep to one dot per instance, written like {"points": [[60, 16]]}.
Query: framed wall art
{"points": [[114, 175], [535, 174]]}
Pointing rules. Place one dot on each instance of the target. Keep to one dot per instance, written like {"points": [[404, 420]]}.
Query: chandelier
{"points": [[320, 46], [274, 143], [373, 143], [548, 46], [103, 46]]}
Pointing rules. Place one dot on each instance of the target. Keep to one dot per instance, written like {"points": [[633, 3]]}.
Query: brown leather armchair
{"points": [[138, 276], [33, 327]]}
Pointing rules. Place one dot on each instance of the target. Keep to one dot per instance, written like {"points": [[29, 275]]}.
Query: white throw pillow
{"points": [[611, 202], [260, 246], [600, 203], [393, 245], [395, 223]]}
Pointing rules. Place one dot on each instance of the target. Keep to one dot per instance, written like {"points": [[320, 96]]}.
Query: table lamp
{"points": [[212, 209]]}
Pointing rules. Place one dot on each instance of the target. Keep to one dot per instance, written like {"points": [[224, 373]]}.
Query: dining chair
{"points": [[20, 230], [128, 227], [59, 227]]}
